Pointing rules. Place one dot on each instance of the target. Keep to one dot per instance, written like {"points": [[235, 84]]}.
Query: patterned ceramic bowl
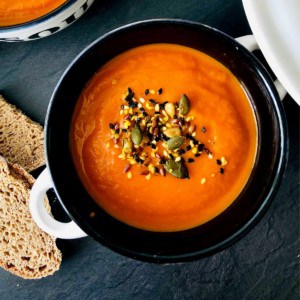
{"points": [[48, 24]]}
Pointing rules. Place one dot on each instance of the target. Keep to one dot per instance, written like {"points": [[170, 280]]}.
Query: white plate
{"points": [[276, 27]]}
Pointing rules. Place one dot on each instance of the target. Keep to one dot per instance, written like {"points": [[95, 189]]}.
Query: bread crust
{"points": [[25, 250], [21, 139]]}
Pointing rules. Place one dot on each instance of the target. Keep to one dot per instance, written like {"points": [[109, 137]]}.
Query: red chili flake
{"points": [[207, 151]]}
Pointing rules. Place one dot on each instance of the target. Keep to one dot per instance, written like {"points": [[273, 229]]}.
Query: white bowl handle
{"points": [[43, 219], [249, 42]]}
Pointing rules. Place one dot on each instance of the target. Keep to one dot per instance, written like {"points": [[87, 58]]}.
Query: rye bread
{"points": [[21, 139], [25, 250]]}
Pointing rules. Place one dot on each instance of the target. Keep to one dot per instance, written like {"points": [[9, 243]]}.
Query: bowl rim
{"points": [[39, 20], [280, 169]]}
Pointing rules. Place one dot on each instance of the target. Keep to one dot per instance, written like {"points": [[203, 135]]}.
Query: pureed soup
{"points": [[163, 137], [13, 12]]}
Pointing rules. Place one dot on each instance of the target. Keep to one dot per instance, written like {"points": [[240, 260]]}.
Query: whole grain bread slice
{"points": [[21, 139], [25, 250]]}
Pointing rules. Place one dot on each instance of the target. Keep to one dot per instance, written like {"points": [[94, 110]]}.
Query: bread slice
{"points": [[25, 250], [21, 139]]}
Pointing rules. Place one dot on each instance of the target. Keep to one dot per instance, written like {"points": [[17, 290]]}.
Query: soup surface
{"points": [[187, 171], [13, 12]]}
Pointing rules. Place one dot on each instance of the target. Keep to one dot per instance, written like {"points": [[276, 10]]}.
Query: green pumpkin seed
{"points": [[136, 134], [177, 169], [184, 105], [171, 132], [175, 142]]}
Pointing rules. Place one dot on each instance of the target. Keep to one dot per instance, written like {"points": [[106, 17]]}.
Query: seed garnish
{"points": [[156, 136]]}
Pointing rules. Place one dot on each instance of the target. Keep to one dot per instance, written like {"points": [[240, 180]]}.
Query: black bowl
{"points": [[245, 211]]}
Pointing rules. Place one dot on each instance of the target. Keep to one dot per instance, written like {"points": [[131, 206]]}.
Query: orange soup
{"points": [[13, 12], [163, 137]]}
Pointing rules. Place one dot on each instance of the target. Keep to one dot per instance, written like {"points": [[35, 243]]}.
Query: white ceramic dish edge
{"points": [[275, 25], [43, 28]]}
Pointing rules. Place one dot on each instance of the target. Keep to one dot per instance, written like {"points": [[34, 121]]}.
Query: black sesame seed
{"points": [[129, 90], [200, 147], [221, 170], [197, 154], [122, 106], [146, 92], [157, 113], [132, 104], [145, 114], [157, 139], [117, 131], [152, 101], [148, 144], [160, 91], [129, 96], [162, 161], [156, 169], [124, 130], [153, 146], [171, 156], [188, 136], [196, 142], [181, 151], [190, 160], [175, 117], [111, 126], [188, 147], [135, 113], [164, 137], [149, 135], [218, 162], [182, 121], [203, 129], [142, 109], [138, 120]]}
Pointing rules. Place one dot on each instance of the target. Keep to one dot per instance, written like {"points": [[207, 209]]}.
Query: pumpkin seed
{"points": [[136, 134], [171, 132], [184, 105], [175, 142], [170, 109], [127, 145], [177, 169]]}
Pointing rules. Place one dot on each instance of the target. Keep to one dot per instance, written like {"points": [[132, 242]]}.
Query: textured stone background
{"points": [[263, 265]]}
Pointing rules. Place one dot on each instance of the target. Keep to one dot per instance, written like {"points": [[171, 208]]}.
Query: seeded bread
{"points": [[21, 139], [25, 250]]}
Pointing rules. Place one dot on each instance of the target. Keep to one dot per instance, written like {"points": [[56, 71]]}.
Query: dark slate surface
{"points": [[263, 265]]}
